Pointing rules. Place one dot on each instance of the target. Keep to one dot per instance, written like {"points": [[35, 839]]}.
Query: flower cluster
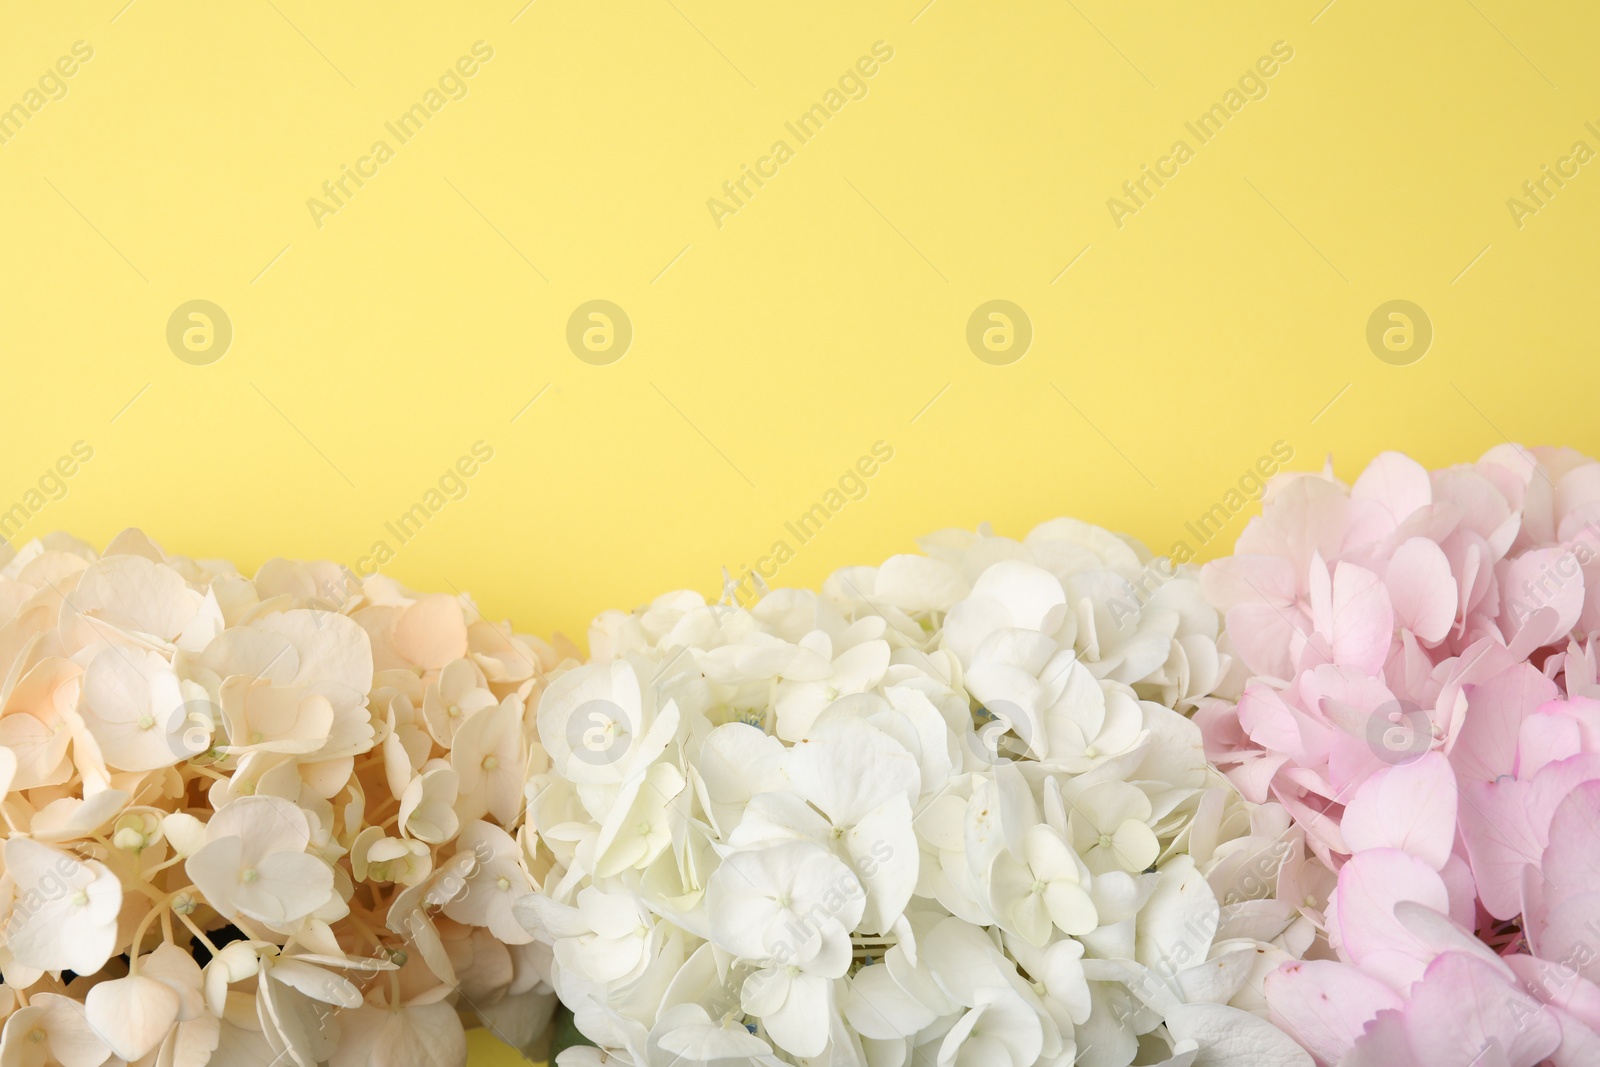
{"points": [[1334, 799], [258, 821], [948, 810], [1421, 662]]}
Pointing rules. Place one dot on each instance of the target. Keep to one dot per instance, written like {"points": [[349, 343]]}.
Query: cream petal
{"points": [[316, 983], [879, 1007], [421, 1035], [287, 886], [70, 1038], [335, 654], [214, 870], [266, 824], [132, 1014], [432, 632], [178, 970], [136, 594]]}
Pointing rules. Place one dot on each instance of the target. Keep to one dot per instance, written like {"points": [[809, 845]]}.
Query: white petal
{"points": [[1071, 909], [1179, 920], [1028, 592], [917, 583], [877, 1006], [848, 768], [1228, 1036], [173, 966], [799, 1024]]}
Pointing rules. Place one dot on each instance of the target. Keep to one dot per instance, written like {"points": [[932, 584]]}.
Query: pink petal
{"points": [[1368, 932], [1245, 579], [1472, 564], [1486, 747], [1262, 635], [1422, 589], [1544, 739], [1463, 890], [1506, 825], [1465, 1006], [1546, 578], [1326, 1005], [1501, 840], [1511, 467], [1409, 671], [1253, 776], [1304, 516], [1354, 615], [1219, 727], [1577, 488], [1571, 860], [1269, 722], [1321, 827], [1386, 1044], [1556, 984], [1482, 507], [1558, 730], [1565, 933], [1397, 483], [1410, 806]]}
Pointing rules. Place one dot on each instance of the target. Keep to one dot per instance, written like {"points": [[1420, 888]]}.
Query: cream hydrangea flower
{"points": [[254, 862], [134, 706], [51, 1029], [494, 885], [39, 722], [258, 773], [63, 909]]}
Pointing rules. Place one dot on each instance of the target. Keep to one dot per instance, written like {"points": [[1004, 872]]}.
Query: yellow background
{"points": [[1228, 314]]}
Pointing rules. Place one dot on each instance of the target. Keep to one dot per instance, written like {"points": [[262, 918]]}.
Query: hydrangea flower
{"points": [[948, 810], [1418, 690], [252, 821]]}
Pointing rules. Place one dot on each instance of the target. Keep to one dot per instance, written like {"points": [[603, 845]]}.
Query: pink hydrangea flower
{"points": [[1419, 691]]}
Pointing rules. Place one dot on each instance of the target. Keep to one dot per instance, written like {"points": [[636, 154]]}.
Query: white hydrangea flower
{"points": [[948, 810]]}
